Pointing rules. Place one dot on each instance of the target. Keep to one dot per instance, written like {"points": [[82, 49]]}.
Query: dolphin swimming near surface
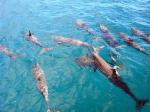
{"points": [[111, 41], [137, 32], [108, 37], [41, 82], [61, 39], [7, 52], [30, 37], [84, 61], [111, 73], [81, 24], [131, 42]]}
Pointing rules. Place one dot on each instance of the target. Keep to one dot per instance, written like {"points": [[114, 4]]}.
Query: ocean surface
{"points": [[71, 89]]}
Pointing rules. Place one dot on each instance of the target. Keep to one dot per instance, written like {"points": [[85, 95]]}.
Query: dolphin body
{"points": [[137, 32], [111, 73], [130, 42], [8, 53], [84, 61], [81, 24], [108, 37], [30, 37], [61, 39], [111, 41], [41, 82]]}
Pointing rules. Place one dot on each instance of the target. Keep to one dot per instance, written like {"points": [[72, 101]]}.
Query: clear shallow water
{"points": [[71, 89]]}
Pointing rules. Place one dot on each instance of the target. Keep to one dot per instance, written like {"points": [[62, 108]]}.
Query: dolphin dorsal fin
{"points": [[30, 34]]}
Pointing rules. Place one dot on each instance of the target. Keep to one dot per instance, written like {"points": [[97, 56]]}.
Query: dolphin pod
{"points": [[111, 73], [99, 63], [92, 60]]}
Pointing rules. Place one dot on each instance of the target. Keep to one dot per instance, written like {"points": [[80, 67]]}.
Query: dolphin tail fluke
{"points": [[141, 103], [43, 50]]}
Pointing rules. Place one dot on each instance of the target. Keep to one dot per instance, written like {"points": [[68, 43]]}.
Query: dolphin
{"points": [[111, 73], [84, 61], [81, 24], [7, 52], [131, 42], [30, 37], [108, 37], [61, 39], [41, 83], [137, 32], [111, 41]]}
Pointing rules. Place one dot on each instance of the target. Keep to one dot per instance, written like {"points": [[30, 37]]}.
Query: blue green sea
{"points": [[71, 89]]}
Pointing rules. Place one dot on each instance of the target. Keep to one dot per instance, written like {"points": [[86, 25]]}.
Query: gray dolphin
{"points": [[108, 37], [111, 73], [137, 32], [84, 61], [81, 24], [41, 83], [30, 37], [111, 41], [9, 53], [72, 41], [131, 42]]}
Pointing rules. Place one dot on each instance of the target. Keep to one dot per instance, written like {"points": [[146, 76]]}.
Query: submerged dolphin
{"points": [[130, 42], [7, 52], [61, 39], [30, 37], [108, 37], [84, 61], [111, 73], [137, 32], [41, 82], [81, 24]]}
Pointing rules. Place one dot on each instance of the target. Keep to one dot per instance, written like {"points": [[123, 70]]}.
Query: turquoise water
{"points": [[71, 89]]}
